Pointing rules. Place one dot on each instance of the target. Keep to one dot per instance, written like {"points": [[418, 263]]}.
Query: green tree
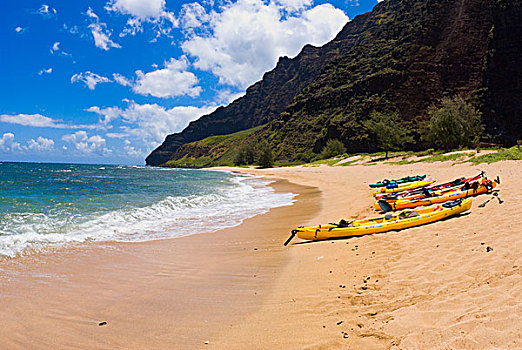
{"points": [[245, 154], [265, 155], [332, 148], [456, 123], [391, 134]]}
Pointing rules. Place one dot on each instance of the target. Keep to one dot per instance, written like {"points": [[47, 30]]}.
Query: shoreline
{"points": [[433, 286], [153, 294]]}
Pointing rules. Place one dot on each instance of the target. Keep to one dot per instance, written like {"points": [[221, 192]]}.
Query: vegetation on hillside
{"points": [[332, 148], [404, 56], [391, 134], [456, 123]]}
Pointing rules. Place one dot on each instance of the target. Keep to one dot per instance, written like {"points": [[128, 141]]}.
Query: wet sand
{"points": [[431, 287], [168, 294]]}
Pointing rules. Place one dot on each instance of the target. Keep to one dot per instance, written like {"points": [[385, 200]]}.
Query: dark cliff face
{"points": [[411, 54], [403, 56], [262, 102], [503, 85]]}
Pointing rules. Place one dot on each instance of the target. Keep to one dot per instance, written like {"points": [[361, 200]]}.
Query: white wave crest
{"points": [[170, 217]]}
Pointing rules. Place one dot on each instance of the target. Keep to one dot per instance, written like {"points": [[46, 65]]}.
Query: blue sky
{"points": [[106, 81]]}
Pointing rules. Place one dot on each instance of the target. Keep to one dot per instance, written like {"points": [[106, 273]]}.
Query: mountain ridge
{"points": [[402, 57]]}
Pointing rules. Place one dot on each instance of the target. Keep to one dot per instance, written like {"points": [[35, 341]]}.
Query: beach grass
{"points": [[513, 153]]}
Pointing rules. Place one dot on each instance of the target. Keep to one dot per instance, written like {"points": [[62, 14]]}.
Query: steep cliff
{"points": [[403, 56]]}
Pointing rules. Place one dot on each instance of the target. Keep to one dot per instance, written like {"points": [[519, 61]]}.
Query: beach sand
{"points": [[430, 287]]}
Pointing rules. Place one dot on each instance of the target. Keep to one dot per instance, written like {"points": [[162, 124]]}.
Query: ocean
{"points": [[48, 205]]}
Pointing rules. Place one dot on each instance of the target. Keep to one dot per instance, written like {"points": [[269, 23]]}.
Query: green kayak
{"points": [[386, 183]]}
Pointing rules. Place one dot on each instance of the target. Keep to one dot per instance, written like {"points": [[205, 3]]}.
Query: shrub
{"points": [[265, 156], [455, 124], [333, 148], [306, 157], [391, 134], [245, 154]]}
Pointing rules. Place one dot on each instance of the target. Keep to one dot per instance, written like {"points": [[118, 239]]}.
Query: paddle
{"points": [[294, 232], [486, 202], [385, 206], [495, 194]]}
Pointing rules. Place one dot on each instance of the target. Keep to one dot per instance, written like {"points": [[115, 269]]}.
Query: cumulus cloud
{"points": [[132, 151], [45, 71], [40, 145], [100, 33], [173, 80], [294, 5], [40, 121], [90, 79], [86, 144], [149, 123], [8, 144], [193, 15], [246, 38], [142, 9], [151, 11]]}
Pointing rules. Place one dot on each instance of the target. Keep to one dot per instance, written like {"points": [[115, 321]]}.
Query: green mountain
{"points": [[402, 57]]}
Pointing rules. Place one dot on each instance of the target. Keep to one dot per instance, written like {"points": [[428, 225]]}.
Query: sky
{"points": [[105, 81]]}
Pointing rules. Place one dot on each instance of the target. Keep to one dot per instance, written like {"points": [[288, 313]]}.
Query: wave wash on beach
{"points": [[52, 204]]}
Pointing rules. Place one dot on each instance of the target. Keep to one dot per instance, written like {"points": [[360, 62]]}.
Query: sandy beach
{"points": [[436, 286]]}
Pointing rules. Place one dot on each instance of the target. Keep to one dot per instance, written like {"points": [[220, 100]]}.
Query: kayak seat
{"points": [[452, 203], [344, 223]]}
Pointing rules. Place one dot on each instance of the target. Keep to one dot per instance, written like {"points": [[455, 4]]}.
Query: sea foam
{"points": [[239, 198]]}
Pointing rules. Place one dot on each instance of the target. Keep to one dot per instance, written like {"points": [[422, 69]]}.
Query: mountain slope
{"points": [[403, 56]]}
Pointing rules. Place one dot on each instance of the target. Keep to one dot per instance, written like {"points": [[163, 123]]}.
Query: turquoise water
{"points": [[53, 204]]}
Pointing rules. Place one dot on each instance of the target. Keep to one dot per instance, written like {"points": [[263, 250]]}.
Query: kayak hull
{"points": [[457, 194], [399, 181], [402, 187], [382, 224]]}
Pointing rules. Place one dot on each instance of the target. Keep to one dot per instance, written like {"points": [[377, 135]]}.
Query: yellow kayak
{"points": [[402, 187], [388, 222]]}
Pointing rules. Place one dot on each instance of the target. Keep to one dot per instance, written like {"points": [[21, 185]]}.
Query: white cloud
{"points": [[247, 37], [142, 9], [151, 11], [102, 37], [149, 123], [45, 71], [90, 79], [19, 29], [107, 115], [90, 13], [46, 11], [86, 144], [132, 151], [55, 47], [41, 144], [120, 79], [8, 144], [173, 80], [294, 5], [100, 33], [40, 121], [193, 15]]}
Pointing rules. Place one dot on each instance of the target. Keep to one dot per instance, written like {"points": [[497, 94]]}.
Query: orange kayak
{"points": [[471, 189]]}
